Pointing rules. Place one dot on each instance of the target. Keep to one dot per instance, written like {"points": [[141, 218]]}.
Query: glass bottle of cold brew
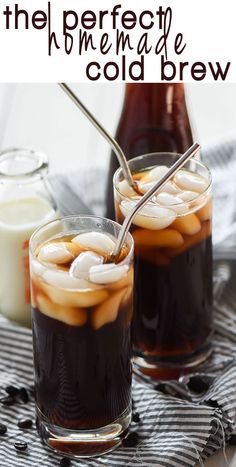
{"points": [[154, 118]]}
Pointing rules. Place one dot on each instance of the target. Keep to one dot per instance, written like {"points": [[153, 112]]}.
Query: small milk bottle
{"points": [[25, 204]]}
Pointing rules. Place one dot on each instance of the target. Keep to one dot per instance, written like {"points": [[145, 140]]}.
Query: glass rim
{"points": [[81, 216], [40, 159], [168, 206]]}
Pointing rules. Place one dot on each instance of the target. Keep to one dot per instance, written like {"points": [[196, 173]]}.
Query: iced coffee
{"points": [[173, 262], [82, 310]]}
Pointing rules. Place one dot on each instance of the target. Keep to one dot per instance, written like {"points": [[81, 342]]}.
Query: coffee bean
{"points": [[213, 404], [25, 423], [3, 429], [198, 385], [232, 440], [7, 400], [136, 417], [21, 446], [131, 440], [12, 391], [23, 395], [65, 462], [160, 387]]}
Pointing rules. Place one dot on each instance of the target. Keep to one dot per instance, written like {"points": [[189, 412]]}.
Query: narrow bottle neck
{"points": [[158, 94], [154, 105]]}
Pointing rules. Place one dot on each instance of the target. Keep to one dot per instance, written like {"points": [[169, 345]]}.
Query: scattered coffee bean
{"points": [[21, 446], [213, 404], [25, 423], [3, 429], [160, 387], [131, 440], [198, 385], [232, 440], [136, 417], [7, 400], [23, 395], [12, 391], [65, 462]]}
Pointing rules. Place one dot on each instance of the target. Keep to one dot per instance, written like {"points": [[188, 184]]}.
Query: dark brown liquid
{"points": [[173, 303], [154, 119], [172, 321], [82, 375]]}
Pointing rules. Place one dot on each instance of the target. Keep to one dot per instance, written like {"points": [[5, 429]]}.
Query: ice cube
{"points": [[63, 280], [176, 203], [47, 307], [74, 316], [151, 177], [127, 295], [163, 238], [144, 187], [191, 240], [126, 190], [127, 299], [205, 213], [150, 217], [76, 298], [97, 241], [57, 252], [188, 225], [155, 174], [81, 265], [33, 290], [107, 311], [37, 268], [69, 315], [191, 181], [188, 195], [107, 273], [168, 187], [125, 281]]}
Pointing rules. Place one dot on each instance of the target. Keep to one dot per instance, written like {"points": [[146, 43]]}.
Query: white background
{"points": [[42, 116]]}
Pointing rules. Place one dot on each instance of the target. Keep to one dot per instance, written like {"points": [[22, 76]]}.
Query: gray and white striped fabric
{"points": [[178, 428]]}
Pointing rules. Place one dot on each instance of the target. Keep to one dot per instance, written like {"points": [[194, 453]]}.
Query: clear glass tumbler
{"points": [[172, 323], [81, 317]]}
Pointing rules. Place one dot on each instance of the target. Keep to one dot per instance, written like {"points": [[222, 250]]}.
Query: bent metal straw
{"points": [[115, 146]]}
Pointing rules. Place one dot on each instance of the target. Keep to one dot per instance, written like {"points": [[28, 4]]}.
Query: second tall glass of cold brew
{"points": [[172, 323]]}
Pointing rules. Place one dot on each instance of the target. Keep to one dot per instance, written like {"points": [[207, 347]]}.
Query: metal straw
{"points": [[128, 220], [116, 148]]}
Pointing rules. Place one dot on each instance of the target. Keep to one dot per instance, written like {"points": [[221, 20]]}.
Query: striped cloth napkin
{"points": [[181, 422]]}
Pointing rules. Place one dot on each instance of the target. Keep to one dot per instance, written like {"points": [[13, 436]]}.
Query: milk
{"points": [[18, 220]]}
